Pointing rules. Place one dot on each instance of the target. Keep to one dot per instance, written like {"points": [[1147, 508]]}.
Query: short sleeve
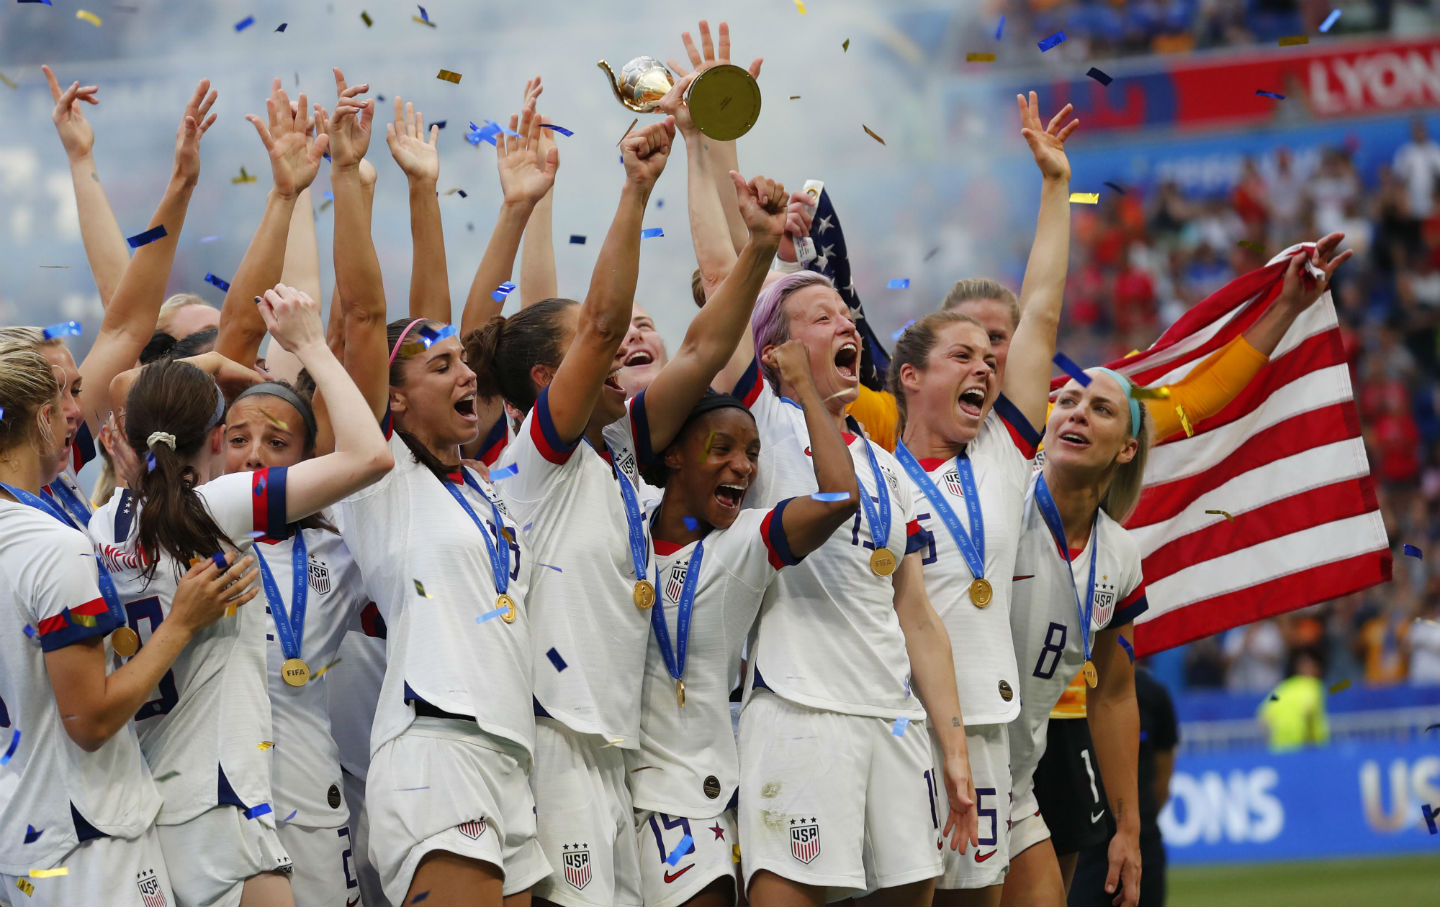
{"points": [[772, 534], [246, 502], [64, 597], [532, 462], [1023, 435], [1133, 603]]}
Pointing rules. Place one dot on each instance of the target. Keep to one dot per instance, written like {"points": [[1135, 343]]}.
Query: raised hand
{"points": [[1301, 288], [763, 207], [193, 125], [799, 216], [700, 62], [646, 150], [674, 104], [420, 159], [292, 317], [792, 361], [349, 124], [1047, 143], [75, 133], [533, 89], [523, 178], [294, 156]]}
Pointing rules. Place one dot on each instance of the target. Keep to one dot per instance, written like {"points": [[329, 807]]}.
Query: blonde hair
{"points": [[27, 385], [1128, 480], [34, 338], [174, 304], [975, 289]]}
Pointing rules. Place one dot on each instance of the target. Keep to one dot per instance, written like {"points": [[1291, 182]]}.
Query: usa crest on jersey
{"points": [[577, 866], [319, 576], [150, 890], [804, 839], [1104, 604], [676, 583], [952, 484], [472, 829]]}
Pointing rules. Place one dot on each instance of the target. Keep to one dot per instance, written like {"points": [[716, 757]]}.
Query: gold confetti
{"points": [[49, 873], [365, 17], [25, 886], [6, 79], [735, 852], [327, 203], [1185, 422], [1292, 40], [419, 587], [324, 669], [1337, 687], [264, 745], [846, 46], [88, 17], [167, 776], [1084, 198], [1222, 513], [422, 21], [794, 97], [800, 5], [278, 423], [627, 129], [84, 620], [243, 177], [448, 76], [1150, 393], [709, 439], [870, 132], [979, 58], [617, 740]]}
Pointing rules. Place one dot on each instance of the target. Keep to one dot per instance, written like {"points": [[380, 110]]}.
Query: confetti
{"points": [[243, 177], [1046, 43], [794, 97], [932, 253], [556, 660], [691, 523], [1000, 29], [1084, 198], [210, 238], [845, 46], [1117, 187], [560, 129], [31, 835], [24, 884], [505, 289], [1129, 649], [870, 132], [830, 496], [1100, 76], [419, 587], [292, 815], [365, 17], [1068, 366], [800, 5], [1330, 21], [1431, 728], [149, 236], [652, 232], [439, 124], [486, 134], [1222, 513], [321, 673], [491, 615], [46, 2], [1252, 245], [8, 82], [1140, 392], [84, 620], [1270, 94], [87, 16], [1430, 813], [1293, 40], [283, 26], [1338, 687], [10, 750], [448, 76], [1185, 422], [429, 336], [264, 745], [421, 21], [420, 897], [980, 58], [576, 239], [549, 567], [217, 281], [901, 724], [167, 776], [686, 845], [898, 283], [245, 23], [900, 333], [1412, 551], [49, 873], [256, 812], [504, 472], [62, 329]]}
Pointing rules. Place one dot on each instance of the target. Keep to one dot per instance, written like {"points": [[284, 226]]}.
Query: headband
{"points": [[1127, 386], [276, 389], [399, 341]]}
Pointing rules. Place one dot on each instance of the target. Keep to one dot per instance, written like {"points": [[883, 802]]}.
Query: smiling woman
{"points": [[643, 353]]}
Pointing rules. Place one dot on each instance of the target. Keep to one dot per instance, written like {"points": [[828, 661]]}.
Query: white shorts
{"points": [[586, 819], [713, 854], [447, 785], [834, 800], [212, 855], [100, 872], [986, 863], [324, 868], [1027, 826], [372, 894]]}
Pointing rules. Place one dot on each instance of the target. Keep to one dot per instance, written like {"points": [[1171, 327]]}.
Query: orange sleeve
{"points": [[1072, 701], [1208, 388], [878, 412]]}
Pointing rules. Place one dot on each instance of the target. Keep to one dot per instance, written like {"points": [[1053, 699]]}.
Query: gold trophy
{"points": [[724, 100]]}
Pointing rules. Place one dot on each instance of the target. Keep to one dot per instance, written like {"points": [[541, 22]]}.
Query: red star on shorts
{"points": [[719, 832]]}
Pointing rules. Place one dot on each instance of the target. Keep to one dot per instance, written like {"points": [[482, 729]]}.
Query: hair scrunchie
{"points": [[160, 437]]}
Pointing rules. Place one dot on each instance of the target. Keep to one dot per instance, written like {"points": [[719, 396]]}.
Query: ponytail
{"points": [[502, 353]]}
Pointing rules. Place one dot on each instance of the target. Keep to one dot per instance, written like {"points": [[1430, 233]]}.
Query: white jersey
{"points": [[409, 534], [985, 672], [353, 687], [1046, 618], [203, 727], [828, 635], [589, 636], [49, 576], [305, 770], [687, 764], [65, 490]]}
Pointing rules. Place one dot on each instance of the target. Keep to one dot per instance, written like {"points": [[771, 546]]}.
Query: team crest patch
{"points": [[676, 583], [1104, 606], [577, 865], [150, 891], [804, 839], [627, 463], [319, 576], [472, 829], [952, 484], [890, 478]]}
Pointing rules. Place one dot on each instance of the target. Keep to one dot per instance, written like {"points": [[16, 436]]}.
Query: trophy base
{"points": [[724, 102]]}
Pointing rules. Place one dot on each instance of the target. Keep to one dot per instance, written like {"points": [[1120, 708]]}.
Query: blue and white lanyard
{"points": [[675, 656], [289, 627], [972, 544], [1051, 513], [499, 553]]}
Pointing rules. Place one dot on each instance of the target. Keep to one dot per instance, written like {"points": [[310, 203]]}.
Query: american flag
{"points": [[833, 261], [1284, 459]]}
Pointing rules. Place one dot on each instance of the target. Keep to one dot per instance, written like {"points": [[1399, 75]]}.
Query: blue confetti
{"points": [[210, 238], [245, 23], [46, 2], [576, 239], [901, 724], [283, 26], [491, 615], [63, 329], [255, 812], [1144, 736], [1330, 21], [686, 845], [423, 15], [429, 336], [554, 657], [560, 129], [328, 196], [292, 815], [1129, 649], [219, 282], [31, 835], [144, 239], [651, 232], [1270, 94], [439, 124], [1070, 368], [690, 523], [219, 559], [1100, 76], [502, 291], [898, 283], [10, 751], [1412, 551], [897, 335], [1055, 39], [1116, 186], [420, 897], [831, 496], [29, 631], [504, 472], [549, 567], [150, 462], [1000, 29]]}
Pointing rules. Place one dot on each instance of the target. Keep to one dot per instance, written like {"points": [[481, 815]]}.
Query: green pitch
{"points": [[1398, 881]]}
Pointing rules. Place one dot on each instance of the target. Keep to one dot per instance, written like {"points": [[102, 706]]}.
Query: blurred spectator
{"points": [[1422, 644], [1417, 163], [1254, 657], [1295, 711]]}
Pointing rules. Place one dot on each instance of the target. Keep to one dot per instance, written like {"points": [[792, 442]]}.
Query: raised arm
{"points": [[605, 314], [537, 255], [718, 327], [809, 522], [105, 247], [294, 161], [301, 271], [709, 233], [420, 160], [1114, 719], [130, 317], [1027, 370], [524, 180]]}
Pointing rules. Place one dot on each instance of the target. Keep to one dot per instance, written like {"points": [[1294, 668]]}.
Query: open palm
{"points": [[419, 158], [1047, 143]]}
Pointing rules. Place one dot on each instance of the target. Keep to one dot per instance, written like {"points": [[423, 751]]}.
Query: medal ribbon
{"points": [[675, 658], [879, 523], [71, 505], [971, 545], [1051, 513], [498, 550], [107, 585], [639, 544], [290, 628]]}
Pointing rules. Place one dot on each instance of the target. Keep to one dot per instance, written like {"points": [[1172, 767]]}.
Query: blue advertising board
{"points": [[1345, 800]]}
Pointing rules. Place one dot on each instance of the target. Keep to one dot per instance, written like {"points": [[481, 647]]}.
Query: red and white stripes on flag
{"points": [[1284, 459]]}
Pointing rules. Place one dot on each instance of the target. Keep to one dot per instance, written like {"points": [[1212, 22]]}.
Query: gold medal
{"points": [[508, 603], [125, 641], [295, 671], [882, 562], [981, 592], [1091, 676], [644, 594], [680, 692]]}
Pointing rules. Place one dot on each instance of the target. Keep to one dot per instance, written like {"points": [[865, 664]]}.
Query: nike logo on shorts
{"points": [[1095, 817], [670, 877], [982, 857]]}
